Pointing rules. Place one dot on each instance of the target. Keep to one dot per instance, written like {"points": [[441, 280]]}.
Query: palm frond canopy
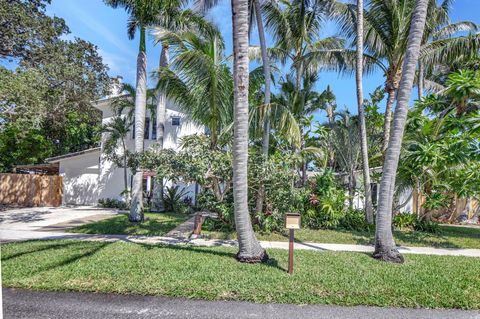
{"points": [[199, 79]]}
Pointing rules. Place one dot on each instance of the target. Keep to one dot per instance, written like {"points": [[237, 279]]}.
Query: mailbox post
{"points": [[292, 222]]}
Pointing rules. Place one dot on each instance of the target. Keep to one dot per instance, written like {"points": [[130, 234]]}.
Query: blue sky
{"points": [[92, 20]]}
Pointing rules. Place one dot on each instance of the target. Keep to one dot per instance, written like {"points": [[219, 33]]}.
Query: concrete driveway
{"points": [[40, 222]]}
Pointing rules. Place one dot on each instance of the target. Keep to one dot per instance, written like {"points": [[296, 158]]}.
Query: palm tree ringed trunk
{"points": [[136, 208], [361, 115], [125, 174], [384, 243], [421, 75], [266, 120], [249, 248], [391, 88], [157, 201]]}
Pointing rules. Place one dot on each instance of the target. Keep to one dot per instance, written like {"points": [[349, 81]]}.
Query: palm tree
{"points": [[345, 138], [117, 130], [175, 19], [296, 26], [249, 248], [361, 114], [143, 13], [384, 243], [199, 80], [266, 105], [291, 117], [440, 45], [386, 23]]}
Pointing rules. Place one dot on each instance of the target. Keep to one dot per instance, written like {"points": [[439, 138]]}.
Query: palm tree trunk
{"points": [[388, 115], [125, 174], [249, 248], [136, 208], [157, 200], [266, 119], [421, 75], [361, 115], [384, 244]]}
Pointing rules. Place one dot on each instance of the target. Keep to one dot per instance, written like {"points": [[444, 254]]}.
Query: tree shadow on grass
{"points": [[272, 262], [36, 249], [119, 225], [91, 251]]}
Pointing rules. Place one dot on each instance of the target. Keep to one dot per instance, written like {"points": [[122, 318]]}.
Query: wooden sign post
{"points": [[292, 222]]}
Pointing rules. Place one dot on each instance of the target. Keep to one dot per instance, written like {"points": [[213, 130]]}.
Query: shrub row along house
{"points": [[89, 176]]}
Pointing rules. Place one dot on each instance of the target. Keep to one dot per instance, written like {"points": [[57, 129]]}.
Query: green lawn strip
{"points": [[448, 237], [155, 224], [213, 274]]}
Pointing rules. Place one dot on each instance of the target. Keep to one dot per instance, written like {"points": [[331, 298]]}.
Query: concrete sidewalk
{"points": [[23, 304], [19, 235]]}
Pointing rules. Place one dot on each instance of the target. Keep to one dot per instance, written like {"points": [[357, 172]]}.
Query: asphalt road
{"points": [[19, 303]]}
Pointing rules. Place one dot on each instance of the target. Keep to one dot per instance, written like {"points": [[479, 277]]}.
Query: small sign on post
{"points": [[292, 222]]}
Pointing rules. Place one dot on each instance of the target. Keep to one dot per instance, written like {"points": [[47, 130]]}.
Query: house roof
{"points": [[74, 154], [46, 169]]}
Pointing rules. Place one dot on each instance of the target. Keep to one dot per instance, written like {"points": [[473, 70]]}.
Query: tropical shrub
{"points": [[174, 199], [354, 219], [326, 203], [278, 175], [412, 221], [112, 203], [404, 220]]}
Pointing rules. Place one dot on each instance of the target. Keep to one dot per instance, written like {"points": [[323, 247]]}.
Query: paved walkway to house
{"points": [[185, 229], [23, 304]]}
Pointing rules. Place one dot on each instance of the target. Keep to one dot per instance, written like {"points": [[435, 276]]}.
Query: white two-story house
{"points": [[88, 176]]}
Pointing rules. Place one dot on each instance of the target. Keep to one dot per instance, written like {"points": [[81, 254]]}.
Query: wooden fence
{"points": [[461, 205], [31, 190]]}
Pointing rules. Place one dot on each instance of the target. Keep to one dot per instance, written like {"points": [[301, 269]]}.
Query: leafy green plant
{"points": [[355, 220], [411, 221], [112, 203], [326, 202], [173, 198], [427, 226], [404, 220]]}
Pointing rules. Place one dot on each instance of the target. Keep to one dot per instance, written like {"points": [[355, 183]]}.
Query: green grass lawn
{"points": [[448, 237], [162, 223], [155, 224], [213, 273]]}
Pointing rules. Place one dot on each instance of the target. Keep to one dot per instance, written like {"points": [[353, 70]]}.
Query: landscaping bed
{"points": [[214, 274]]}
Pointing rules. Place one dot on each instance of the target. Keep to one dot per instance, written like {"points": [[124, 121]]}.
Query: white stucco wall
{"points": [[90, 177], [80, 179]]}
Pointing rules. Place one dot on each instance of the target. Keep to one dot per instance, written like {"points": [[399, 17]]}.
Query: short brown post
{"points": [[292, 222], [197, 229], [290, 252]]}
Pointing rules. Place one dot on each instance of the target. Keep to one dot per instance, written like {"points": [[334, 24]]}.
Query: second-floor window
{"points": [[154, 128], [175, 120], [146, 134]]}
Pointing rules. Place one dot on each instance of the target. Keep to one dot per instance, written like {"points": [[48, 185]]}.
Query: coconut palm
{"points": [[386, 24], [175, 19], [199, 80], [361, 114], [143, 13], [384, 243], [296, 27], [257, 12], [440, 44], [249, 248], [290, 116]]}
